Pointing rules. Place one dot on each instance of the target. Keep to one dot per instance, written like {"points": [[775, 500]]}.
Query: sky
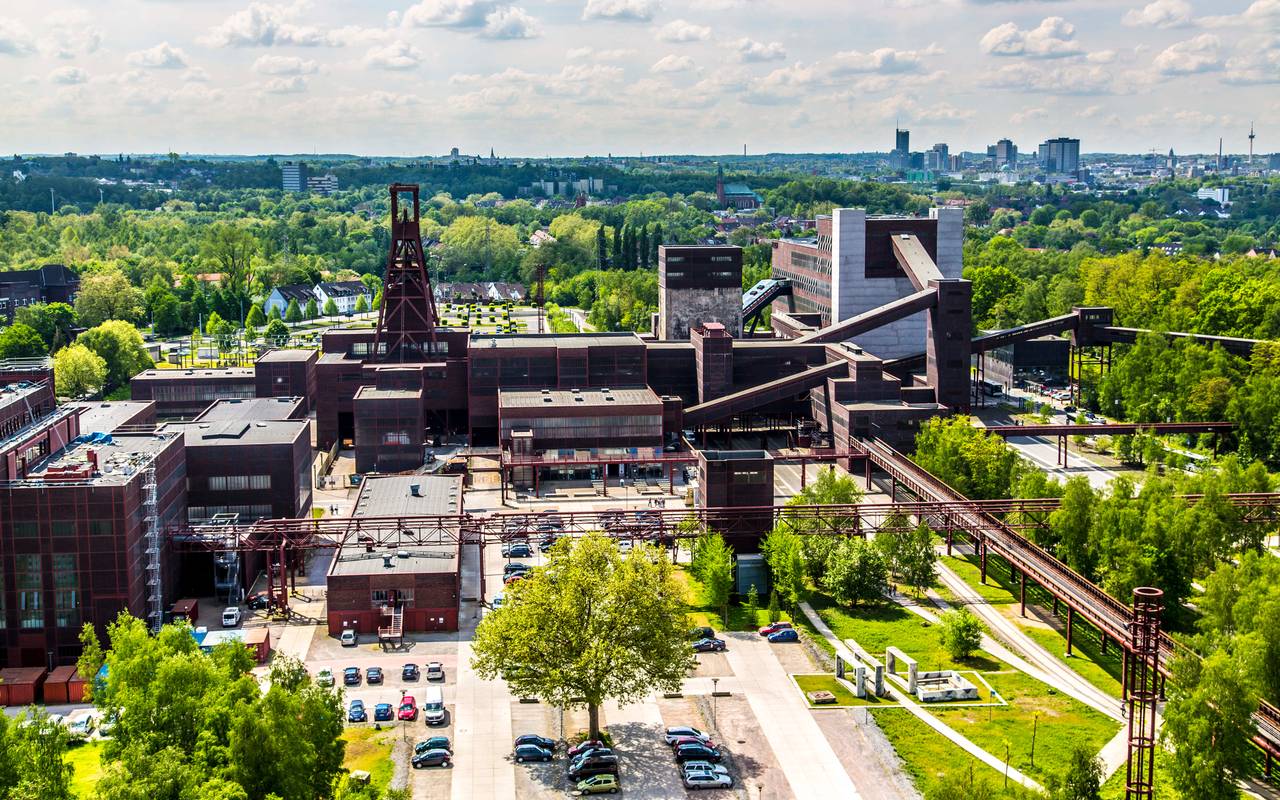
{"points": [[631, 77]]}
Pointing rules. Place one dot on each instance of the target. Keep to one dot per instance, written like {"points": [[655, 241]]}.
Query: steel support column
{"points": [[1143, 693], [1022, 594], [1071, 624]]}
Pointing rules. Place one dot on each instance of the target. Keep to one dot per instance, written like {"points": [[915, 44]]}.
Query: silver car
{"points": [[707, 780]]}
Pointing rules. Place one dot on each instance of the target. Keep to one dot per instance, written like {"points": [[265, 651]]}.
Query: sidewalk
{"points": [[924, 716]]}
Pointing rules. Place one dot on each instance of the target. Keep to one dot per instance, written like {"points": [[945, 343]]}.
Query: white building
{"points": [[344, 294], [1220, 195]]}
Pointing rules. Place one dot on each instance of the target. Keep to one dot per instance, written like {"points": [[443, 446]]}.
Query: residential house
{"points": [[344, 295], [281, 295]]}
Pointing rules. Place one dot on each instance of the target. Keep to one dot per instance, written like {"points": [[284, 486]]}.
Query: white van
{"points": [[433, 706]]}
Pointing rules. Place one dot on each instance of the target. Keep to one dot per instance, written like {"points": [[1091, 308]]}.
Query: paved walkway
{"points": [[482, 735], [295, 640], [647, 769], [911, 705], [803, 752]]}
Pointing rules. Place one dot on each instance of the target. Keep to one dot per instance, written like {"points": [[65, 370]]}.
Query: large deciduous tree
{"points": [[119, 345], [975, 463], [856, 573], [78, 371], [1208, 723], [20, 341], [589, 626], [53, 321], [105, 295]]}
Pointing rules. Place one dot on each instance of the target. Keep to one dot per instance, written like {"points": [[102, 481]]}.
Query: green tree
{"points": [[39, 745], [751, 605], [715, 561], [1208, 723], [167, 316], [856, 573], [330, 308], [1072, 525], [784, 554], [21, 341], [277, 332], [119, 345], [78, 372], [1078, 779], [275, 312], [910, 556], [105, 295], [255, 317], [91, 659], [230, 250], [961, 632], [557, 636], [775, 610], [602, 249], [362, 305], [312, 310], [977, 464], [53, 321], [293, 314]]}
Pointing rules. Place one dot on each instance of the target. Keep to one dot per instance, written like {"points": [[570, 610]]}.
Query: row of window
{"points": [[237, 483], [182, 392], [247, 513], [63, 528]]}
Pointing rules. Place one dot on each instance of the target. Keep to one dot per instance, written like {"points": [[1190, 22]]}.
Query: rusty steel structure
{"points": [[407, 318], [1142, 687], [1061, 432]]}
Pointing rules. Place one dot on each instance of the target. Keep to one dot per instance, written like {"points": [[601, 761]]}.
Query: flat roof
{"points": [[194, 374], [576, 398], [374, 393], [487, 341], [105, 417], [287, 354], [434, 551], [252, 409], [392, 495], [18, 390], [119, 456], [233, 432]]}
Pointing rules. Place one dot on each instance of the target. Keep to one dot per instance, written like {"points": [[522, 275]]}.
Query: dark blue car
{"points": [[533, 738], [383, 712], [356, 712], [785, 635], [531, 752]]}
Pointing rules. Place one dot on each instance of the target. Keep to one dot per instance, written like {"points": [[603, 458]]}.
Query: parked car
{"points": [[774, 627], [513, 578], [434, 743], [433, 706], [515, 567], [589, 754], [531, 752], [708, 645], [533, 738], [598, 784], [701, 632], [600, 765], [582, 747], [408, 708], [351, 676], [706, 780], [705, 766], [681, 731], [410, 672], [432, 758], [373, 675], [82, 725], [702, 740], [694, 751], [517, 550], [348, 638], [383, 712], [324, 677], [257, 602], [435, 671], [356, 712], [547, 541], [230, 616], [785, 635]]}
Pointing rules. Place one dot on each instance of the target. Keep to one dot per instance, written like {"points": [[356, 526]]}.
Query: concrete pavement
{"points": [[648, 770], [805, 755]]}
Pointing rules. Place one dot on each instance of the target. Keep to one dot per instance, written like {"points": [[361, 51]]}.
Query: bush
{"points": [[961, 632]]}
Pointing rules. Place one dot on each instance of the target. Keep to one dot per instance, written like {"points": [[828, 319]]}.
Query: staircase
{"points": [[151, 536], [395, 631]]}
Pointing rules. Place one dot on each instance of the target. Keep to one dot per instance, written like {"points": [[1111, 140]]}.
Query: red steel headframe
{"points": [[407, 318], [1143, 685]]}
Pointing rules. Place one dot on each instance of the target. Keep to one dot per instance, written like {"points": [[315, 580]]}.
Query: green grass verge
{"points": [[1113, 789], [703, 613], [370, 750], [86, 761], [926, 756], [829, 683]]}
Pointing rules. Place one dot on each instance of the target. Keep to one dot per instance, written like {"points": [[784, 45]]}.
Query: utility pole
{"points": [[51, 209]]}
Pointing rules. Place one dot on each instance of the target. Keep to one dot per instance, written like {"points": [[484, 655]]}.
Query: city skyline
{"points": [[590, 77]]}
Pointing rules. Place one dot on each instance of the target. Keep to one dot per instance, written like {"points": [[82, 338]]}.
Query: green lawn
{"points": [[829, 683], [370, 750], [702, 613], [927, 756], [1113, 789], [86, 760], [1103, 671]]}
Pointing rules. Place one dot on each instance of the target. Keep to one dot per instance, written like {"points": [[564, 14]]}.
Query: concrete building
{"points": [[938, 158], [293, 176], [738, 479], [108, 417], [287, 373], [389, 429], [1003, 153], [418, 580], [52, 283], [582, 419], [80, 541], [1060, 156], [257, 469], [851, 268], [258, 409], [323, 185], [187, 392], [1218, 194], [698, 284]]}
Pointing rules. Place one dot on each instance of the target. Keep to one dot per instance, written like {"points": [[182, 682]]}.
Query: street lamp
{"points": [[715, 683]]}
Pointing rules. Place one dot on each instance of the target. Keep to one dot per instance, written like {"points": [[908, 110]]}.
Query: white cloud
{"points": [[162, 56], [290, 85], [592, 54], [450, 13], [1159, 14], [625, 10], [69, 76], [263, 25], [399, 55], [679, 30], [1053, 38], [195, 75], [15, 39], [781, 85], [510, 23], [1028, 115], [673, 63], [1070, 79], [751, 51], [1260, 13], [1200, 54], [70, 33], [886, 60], [1258, 63], [285, 65]]}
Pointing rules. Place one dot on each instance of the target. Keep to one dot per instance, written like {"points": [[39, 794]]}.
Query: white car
{"points": [[705, 766], [230, 616], [707, 780], [82, 724], [348, 638]]}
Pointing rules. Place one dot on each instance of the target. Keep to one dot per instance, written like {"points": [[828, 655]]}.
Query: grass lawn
{"points": [[927, 756], [370, 751], [86, 759], [1113, 789], [1088, 661], [702, 613], [1062, 723], [828, 683]]}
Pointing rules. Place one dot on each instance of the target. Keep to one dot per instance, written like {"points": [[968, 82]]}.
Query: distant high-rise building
{"points": [[1060, 156], [938, 158], [322, 184], [294, 176], [1003, 152], [1172, 162], [1274, 161], [902, 141]]}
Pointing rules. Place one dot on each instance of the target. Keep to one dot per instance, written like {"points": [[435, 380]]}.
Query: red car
{"points": [[408, 707], [702, 740], [589, 744], [774, 627], [519, 576]]}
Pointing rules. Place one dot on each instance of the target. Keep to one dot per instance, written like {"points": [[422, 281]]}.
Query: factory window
{"points": [[30, 590], [721, 258], [25, 530], [752, 477], [234, 483], [66, 585], [63, 529], [101, 527]]}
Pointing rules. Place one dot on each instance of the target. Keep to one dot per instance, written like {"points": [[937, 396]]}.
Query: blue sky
{"points": [[574, 77]]}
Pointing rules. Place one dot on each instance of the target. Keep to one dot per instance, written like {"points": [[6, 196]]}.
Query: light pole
{"points": [[715, 683]]}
